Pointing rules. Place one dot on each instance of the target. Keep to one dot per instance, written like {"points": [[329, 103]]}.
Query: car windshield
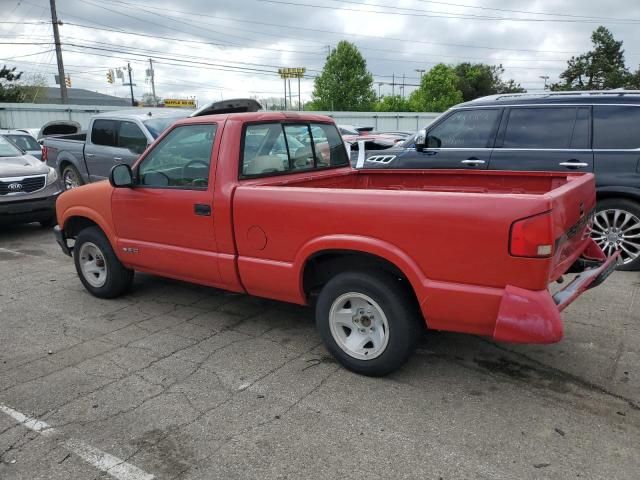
{"points": [[25, 142], [158, 125], [8, 149]]}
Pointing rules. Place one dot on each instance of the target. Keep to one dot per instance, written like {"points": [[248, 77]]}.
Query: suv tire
{"points": [[368, 321], [100, 271], [617, 227]]}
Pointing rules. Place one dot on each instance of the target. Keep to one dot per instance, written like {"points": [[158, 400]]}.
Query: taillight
{"points": [[44, 153], [532, 237]]}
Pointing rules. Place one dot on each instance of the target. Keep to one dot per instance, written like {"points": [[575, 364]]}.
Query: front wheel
{"points": [[100, 271], [368, 321], [616, 227]]}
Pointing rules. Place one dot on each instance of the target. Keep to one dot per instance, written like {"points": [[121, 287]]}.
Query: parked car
{"points": [[595, 132], [28, 188], [227, 201], [24, 141], [112, 138]]}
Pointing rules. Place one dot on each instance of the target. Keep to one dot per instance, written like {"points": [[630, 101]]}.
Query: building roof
{"points": [[79, 96]]}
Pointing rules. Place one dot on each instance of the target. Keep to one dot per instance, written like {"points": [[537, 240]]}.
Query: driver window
{"points": [[181, 159]]}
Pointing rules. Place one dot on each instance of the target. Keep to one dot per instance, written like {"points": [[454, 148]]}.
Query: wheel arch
{"points": [[323, 258], [627, 193]]}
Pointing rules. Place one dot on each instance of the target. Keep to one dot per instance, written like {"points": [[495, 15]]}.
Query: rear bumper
{"points": [[511, 314], [527, 316]]}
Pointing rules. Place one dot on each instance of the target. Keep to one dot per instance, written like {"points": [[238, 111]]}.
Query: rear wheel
{"points": [[368, 322], [100, 271], [616, 227], [71, 178]]}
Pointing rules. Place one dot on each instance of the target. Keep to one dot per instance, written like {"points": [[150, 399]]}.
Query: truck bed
{"points": [[477, 181]]}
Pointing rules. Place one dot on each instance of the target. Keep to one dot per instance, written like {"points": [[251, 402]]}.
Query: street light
{"points": [[545, 78], [420, 71]]}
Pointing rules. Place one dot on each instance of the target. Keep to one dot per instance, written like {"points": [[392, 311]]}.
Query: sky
{"points": [[215, 49]]}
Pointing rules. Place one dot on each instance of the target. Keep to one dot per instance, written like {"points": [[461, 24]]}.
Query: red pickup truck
{"points": [[267, 204]]}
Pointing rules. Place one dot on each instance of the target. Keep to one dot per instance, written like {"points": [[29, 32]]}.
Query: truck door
{"points": [[463, 139], [100, 148], [131, 143], [165, 222], [544, 138]]}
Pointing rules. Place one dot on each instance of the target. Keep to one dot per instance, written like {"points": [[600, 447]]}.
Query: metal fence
{"points": [[27, 115]]}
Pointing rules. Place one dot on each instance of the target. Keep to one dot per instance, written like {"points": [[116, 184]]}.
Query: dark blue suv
{"points": [[595, 132]]}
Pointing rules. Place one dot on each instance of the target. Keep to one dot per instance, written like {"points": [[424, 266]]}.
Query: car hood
{"points": [[21, 166]]}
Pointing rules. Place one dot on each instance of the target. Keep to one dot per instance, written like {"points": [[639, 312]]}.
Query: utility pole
{"points": [[56, 39], [379, 85], [299, 97], [133, 100], [285, 92], [290, 100], [153, 85], [393, 84], [403, 85]]}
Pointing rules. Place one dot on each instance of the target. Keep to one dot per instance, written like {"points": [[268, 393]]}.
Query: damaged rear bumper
{"points": [[527, 316]]}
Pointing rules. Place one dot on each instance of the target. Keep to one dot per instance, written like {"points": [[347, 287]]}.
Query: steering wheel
{"points": [[197, 182]]}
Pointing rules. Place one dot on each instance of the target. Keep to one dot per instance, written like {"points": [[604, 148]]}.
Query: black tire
{"points": [[628, 206], [49, 222], [118, 278], [69, 172], [398, 306]]}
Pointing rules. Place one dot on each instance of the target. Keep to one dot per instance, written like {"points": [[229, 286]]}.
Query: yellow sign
{"points": [[179, 102], [292, 72]]}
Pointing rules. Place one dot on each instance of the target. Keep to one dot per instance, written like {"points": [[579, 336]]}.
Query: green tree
{"points": [[10, 88], [438, 90], [479, 80], [393, 103], [599, 69], [345, 83], [148, 100]]}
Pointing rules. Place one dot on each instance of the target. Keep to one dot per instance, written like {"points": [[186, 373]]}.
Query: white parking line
{"points": [[30, 423], [114, 466]]}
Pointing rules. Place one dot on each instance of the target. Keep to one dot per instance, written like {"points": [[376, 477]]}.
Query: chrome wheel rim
{"points": [[617, 230], [93, 264], [359, 326], [71, 180]]}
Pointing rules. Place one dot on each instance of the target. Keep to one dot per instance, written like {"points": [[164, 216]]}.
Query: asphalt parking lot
{"points": [[177, 381]]}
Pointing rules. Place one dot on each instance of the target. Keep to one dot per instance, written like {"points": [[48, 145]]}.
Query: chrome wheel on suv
{"points": [[616, 227]]}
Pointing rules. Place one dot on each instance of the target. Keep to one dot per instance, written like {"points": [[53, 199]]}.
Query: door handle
{"points": [[202, 209], [574, 164], [89, 155], [117, 159], [473, 161]]}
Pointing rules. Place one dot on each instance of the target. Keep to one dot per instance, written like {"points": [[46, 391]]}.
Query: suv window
{"points": [[103, 132], [466, 129], [270, 148], [546, 128], [181, 159], [616, 127], [131, 137]]}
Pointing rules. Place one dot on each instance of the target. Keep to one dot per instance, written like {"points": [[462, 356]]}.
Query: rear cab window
{"points": [[103, 132], [276, 148]]}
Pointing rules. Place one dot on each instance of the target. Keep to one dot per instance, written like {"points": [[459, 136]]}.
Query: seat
{"points": [[264, 164]]}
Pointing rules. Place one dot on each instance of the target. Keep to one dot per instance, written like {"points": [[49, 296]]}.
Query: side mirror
{"points": [[421, 140], [121, 176]]}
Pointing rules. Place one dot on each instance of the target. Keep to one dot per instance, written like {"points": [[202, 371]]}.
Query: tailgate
{"points": [[572, 208]]}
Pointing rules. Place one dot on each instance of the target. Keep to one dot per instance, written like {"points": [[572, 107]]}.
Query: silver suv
{"points": [[28, 187]]}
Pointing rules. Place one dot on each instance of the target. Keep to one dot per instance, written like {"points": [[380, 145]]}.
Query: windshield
{"points": [[8, 149], [158, 125], [25, 142]]}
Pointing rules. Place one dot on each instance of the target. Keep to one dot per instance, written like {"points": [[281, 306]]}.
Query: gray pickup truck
{"points": [[112, 138]]}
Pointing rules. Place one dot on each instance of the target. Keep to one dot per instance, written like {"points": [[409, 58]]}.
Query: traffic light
{"points": [[67, 81], [110, 76]]}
